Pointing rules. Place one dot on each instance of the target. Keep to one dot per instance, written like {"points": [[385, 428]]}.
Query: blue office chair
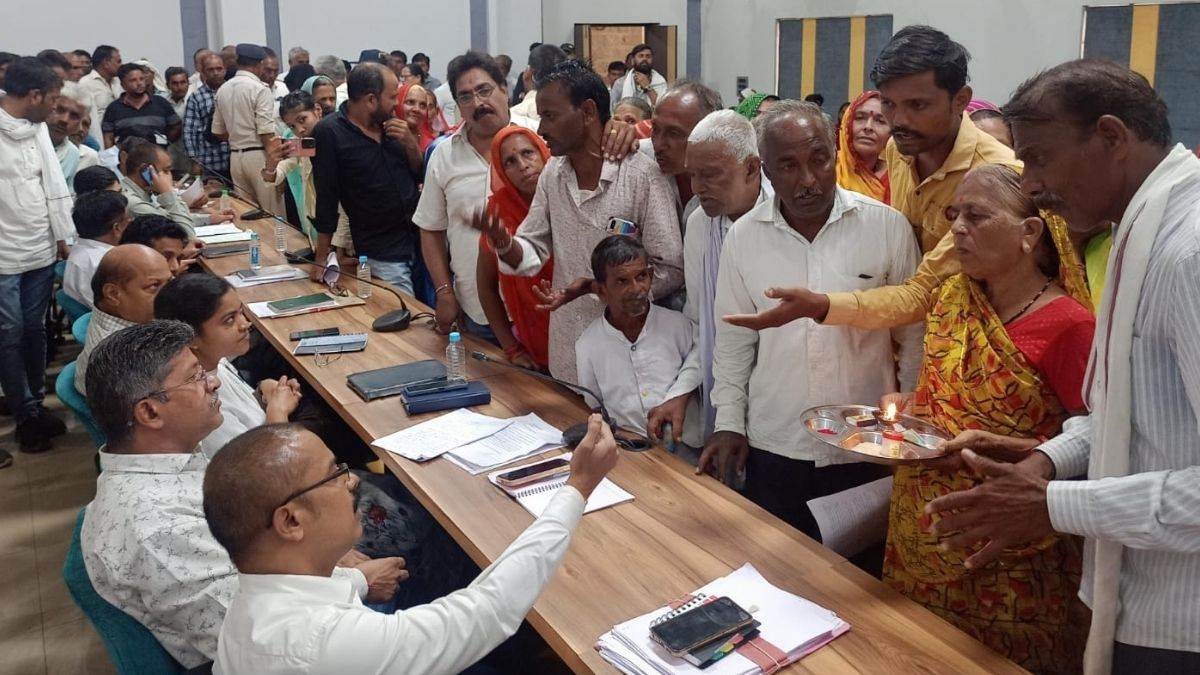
{"points": [[64, 386], [71, 306], [79, 328], [60, 269], [131, 646]]}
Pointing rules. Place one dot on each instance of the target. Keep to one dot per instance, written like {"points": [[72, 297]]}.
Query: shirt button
{"points": [[633, 348]]}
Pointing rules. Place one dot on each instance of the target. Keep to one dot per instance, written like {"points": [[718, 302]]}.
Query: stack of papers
{"points": [[203, 231], [265, 275], [791, 623], [536, 497], [427, 440], [526, 436]]}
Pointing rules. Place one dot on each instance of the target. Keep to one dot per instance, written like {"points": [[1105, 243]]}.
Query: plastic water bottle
{"points": [[280, 236], [456, 359], [225, 204], [364, 278], [255, 259]]}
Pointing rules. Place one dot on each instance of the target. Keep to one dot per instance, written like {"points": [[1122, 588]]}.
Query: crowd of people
{"points": [[1023, 277]]}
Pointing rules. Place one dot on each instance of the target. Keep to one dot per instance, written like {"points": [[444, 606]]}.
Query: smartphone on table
{"points": [[534, 473]]}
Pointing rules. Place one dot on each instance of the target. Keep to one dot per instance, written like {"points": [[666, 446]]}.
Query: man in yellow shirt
{"points": [[921, 75]]}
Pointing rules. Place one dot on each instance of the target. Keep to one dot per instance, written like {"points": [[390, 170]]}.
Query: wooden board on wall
{"points": [[605, 44]]}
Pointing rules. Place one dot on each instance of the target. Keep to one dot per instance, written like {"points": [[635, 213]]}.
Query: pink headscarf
{"points": [[978, 104]]}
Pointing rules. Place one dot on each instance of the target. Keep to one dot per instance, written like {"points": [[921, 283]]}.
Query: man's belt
{"points": [[257, 147]]}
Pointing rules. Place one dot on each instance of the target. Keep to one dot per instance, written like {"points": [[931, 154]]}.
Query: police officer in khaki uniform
{"points": [[245, 116]]}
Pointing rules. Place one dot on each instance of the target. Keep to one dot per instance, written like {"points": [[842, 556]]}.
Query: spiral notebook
{"points": [[536, 497]]}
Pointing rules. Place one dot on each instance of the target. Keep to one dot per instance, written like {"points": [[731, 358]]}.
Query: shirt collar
{"points": [[1176, 159], [960, 155], [616, 333], [249, 75], [310, 588], [166, 463], [85, 243], [769, 210], [104, 319], [130, 186]]}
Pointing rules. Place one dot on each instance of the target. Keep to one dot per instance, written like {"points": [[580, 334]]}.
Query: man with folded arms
{"points": [[282, 508], [145, 543]]}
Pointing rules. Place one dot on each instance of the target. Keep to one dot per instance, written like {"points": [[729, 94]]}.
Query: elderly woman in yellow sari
{"points": [[863, 132], [1006, 349]]}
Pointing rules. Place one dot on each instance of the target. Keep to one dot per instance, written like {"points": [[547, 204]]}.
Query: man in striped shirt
{"points": [[1096, 144]]}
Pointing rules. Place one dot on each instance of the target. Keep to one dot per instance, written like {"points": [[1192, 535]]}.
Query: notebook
{"points": [[381, 382], [302, 305], [536, 497], [791, 623]]}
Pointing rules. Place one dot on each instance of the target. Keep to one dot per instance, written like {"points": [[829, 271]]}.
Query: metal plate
{"points": [[833, 425]]}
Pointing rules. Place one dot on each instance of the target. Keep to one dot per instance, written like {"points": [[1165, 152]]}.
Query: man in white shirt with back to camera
{"points": [[282, 508], [100, 219], [633, 354], [814, 234]]}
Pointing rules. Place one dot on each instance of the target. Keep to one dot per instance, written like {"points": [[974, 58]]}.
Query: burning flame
{"points": [[891, 412]]}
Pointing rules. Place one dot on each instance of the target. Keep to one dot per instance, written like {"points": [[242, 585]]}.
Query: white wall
{"points": [[143, 29], [1009, 40], [441, 29]]}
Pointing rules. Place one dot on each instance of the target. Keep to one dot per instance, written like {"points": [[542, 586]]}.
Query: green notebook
{"points": [[300, 302]]}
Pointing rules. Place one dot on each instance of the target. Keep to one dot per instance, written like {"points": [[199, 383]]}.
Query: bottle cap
{"points": [[254, 235], [455, 337], [362, 260]]}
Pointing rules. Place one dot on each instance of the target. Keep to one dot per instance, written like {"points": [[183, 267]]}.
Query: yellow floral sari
{"points": [[974, 377]]}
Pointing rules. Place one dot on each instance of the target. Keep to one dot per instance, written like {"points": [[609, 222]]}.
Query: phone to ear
{"points": [[148, 174]]}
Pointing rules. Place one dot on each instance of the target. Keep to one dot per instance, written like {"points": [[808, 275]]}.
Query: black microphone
{"points": [[395, 320], [575, 433]]}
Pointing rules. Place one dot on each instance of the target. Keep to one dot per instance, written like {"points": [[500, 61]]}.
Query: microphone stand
{"points": [[395, 320], [575, 433]]}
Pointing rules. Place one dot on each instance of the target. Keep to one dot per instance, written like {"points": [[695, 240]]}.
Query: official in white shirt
{"points": [[292, 616], [722, 158], [100, 219], [146, 545], [101, 86], [817, 235], [633, 354]]}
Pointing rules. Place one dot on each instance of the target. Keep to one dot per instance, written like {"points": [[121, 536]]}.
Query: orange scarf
{"points": [[852, 170], [425, 132]]}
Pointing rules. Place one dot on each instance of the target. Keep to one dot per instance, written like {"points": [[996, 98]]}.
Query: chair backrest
{"points": [[71, 306], [131, 646], [80, 326], [64, 386]]}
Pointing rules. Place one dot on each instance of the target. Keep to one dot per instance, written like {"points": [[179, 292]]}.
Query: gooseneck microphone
{"points": [[395, 320], [575, 433]]}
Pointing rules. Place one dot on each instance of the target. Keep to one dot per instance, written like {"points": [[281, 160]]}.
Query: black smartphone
{"points": [[534, 472], [701, 625], [316, 332], [255, 214]]}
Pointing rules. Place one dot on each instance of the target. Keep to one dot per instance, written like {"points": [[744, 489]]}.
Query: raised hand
{"points": [[550, 299], [794, 303], [594, 457]]}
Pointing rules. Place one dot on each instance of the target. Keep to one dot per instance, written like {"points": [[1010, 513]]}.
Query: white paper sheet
{"points": [[214, 230], [853, 520], [430, 439], [238, 282], [525, 436]]}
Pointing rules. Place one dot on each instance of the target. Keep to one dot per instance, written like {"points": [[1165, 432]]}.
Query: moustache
{"points": [[905, 131], [808, 194], [480, 112], [1048, 201]]}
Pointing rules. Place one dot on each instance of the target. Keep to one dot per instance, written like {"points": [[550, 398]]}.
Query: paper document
{"points": [[292, 274], [193, 191], [213, 230], [853, 520], [537, 496], [525, 436], [427, 440]]}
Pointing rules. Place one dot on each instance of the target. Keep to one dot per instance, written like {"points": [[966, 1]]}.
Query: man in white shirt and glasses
{"points": [[813, 234], [1096, 144], [282, 508]]}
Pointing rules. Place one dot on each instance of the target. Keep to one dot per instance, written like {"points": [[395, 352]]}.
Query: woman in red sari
{"points": [[412, 106], [518, 157]]}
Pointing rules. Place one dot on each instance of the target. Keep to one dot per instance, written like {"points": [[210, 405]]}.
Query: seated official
{"points": [[633, 354], [1006, 349], [167, 237], [124, 285], [214, 311], [100, 218], [146, 546], [291, 616], [147, 174], [96, 178]]}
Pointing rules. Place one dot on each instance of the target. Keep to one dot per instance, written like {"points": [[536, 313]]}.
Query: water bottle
{"points": [[280, 237], [225, 204], [364, 278], [255, 261], [456, 359]]}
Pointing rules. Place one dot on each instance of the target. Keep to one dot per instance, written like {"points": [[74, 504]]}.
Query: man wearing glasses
{"points": [[277, 502], [145, 543]]}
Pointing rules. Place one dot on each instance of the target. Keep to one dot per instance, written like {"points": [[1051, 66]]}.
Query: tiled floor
{"points": [[41, 629]]}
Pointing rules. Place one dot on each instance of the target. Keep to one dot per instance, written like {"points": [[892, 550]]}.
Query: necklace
{"points": [[1024, 309]]}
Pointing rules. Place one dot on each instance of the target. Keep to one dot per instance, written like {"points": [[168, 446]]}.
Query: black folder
{"points": [[373, 384]]}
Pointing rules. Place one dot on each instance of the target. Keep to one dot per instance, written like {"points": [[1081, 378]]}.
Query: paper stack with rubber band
{"points": [[768, 628]]}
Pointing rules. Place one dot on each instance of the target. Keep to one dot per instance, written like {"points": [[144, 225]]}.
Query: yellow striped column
{"points": [[808, 57], [1143, 41], [858, 55]]}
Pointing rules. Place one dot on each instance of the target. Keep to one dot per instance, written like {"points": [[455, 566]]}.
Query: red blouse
{"points": [[1057, 339]]}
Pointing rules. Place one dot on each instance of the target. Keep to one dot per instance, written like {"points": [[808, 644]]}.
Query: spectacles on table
{"points": [[341, 469]]}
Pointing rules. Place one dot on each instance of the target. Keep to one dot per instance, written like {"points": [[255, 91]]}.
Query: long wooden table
{"points": [[679, 533]]}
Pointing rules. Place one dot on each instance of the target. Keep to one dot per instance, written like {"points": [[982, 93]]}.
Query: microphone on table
{"points": [[575, 433], [395, 320]]}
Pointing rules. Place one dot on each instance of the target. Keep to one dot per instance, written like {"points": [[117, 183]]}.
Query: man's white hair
{"points": [[729, 129], [332, 67], [73, 91], [296, 51]]}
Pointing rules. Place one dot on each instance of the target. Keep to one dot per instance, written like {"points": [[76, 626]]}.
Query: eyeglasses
{"points": [[341, 469], [482, 92], [201, 376]]}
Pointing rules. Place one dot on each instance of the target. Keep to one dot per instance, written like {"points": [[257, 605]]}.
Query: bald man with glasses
{"points": [[146, 546]]}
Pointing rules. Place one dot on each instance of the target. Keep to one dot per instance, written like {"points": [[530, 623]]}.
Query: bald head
{"points": [[127, 280]]}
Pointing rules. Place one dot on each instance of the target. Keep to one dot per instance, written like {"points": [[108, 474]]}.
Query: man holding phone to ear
{"points": [[149, 174]]}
